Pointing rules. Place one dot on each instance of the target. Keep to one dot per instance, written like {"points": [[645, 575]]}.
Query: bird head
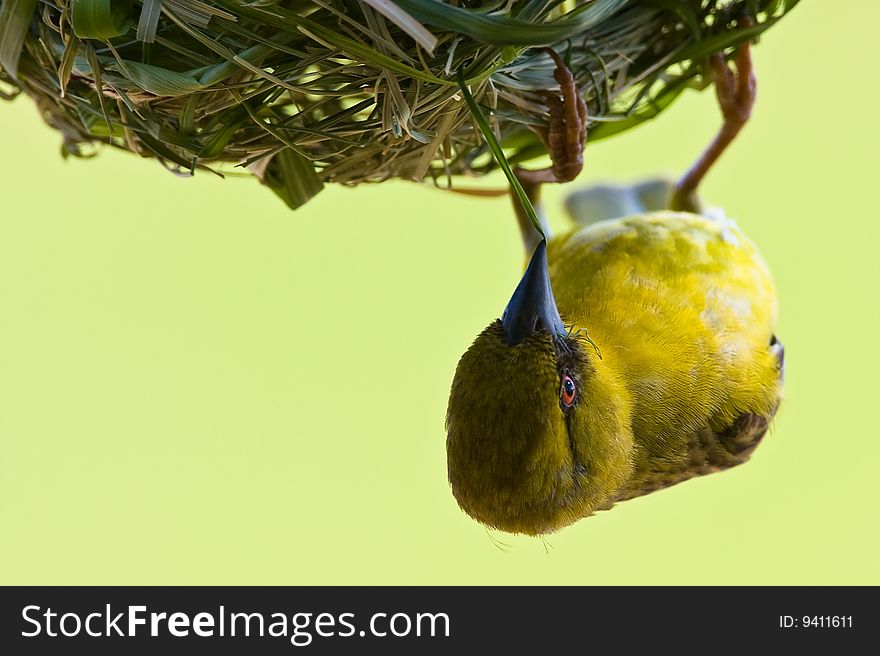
{"points": [[537, 426]]}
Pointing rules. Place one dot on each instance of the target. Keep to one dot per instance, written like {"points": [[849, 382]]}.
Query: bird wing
{"points": [[708, 451]]}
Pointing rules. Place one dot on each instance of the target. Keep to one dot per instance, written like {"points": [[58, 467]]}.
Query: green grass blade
{"points": [[100, 19], [157, 80], [95, 68], [507, 31], [646, 112], [15, 17], [393, 12], [65, 67], [684, 12], [293, 178], [149, 21], [232, 123], [724, 40], [498, 153]]}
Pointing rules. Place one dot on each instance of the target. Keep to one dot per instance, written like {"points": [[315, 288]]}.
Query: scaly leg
{"points": [[736, 97], [564, 138]]}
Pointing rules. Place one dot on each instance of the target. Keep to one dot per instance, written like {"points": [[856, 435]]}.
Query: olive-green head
{"points": [[538, 429]]}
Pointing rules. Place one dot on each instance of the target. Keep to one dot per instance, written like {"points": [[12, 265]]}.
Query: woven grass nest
{"points": [[307, 92]]}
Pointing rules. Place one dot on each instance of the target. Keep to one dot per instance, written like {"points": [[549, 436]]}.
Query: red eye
{"points": [[568, 392]]}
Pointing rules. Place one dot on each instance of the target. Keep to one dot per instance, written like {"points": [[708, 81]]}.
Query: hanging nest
{"points": [[306, 92]]}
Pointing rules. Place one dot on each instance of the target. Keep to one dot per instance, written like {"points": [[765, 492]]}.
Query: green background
{"points": [[198, 386]]}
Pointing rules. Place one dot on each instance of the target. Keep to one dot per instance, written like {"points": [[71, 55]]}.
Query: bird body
{"points": [[667, 368], [638, 349], [683, 309]]}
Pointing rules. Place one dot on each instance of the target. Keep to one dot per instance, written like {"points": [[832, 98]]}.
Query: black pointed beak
{"points": [[532, 306]]}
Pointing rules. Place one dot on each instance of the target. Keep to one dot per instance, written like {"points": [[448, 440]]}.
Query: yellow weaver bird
{"points": [[637, 351]]}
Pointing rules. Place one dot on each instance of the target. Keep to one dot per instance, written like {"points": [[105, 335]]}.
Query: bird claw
{"points": [[735, 90], [566, 132]]}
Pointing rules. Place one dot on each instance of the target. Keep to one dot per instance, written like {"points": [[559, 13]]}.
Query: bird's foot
{"points": [[566, 132], [735, 90]]}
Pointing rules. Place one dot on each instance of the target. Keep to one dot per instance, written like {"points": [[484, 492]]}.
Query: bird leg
{"points": [[736, 97], [564, 137]]}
